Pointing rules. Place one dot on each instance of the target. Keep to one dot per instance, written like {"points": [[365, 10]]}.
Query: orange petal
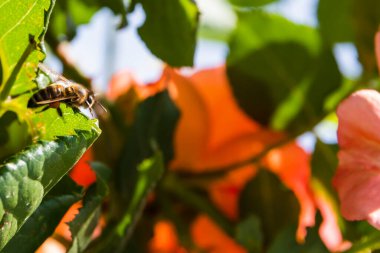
{"points": [[63, 229], [329, 230], [82, 173], [210, 238], [225, 192], [291, 164], [51, 246], [212, 131], [121, 83], [124, 81], [192, 127], [165, 239]]}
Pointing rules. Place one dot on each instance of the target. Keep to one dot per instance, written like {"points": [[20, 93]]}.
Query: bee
{"points": [[62, 90]]}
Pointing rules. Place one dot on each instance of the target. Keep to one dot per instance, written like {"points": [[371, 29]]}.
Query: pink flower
{"points": [[357, 179]]}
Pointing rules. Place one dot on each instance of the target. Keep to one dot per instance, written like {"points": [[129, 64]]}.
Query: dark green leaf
{"points": [[369, 243], [22, 27], [13, 134], [335, 20], [366, 23], [82, 227], [323, 164], [285, 242], [279, 71], [45, 219], [251, 3], [170, 33], [249, 234], [29, 175], [154, 123], [115, 237], [266, 198]]}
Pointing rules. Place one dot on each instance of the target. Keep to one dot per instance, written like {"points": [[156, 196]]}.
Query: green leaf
{"points": [[49, 124], [324, 163], [335, 20], [366, 15], [149, 172], [249, 235], [13, 134], [115, 237], [251, 3], [154, 124], [23, 23], [170, 33], [82, 227], [280, 73], [370, 242], [27, 177], [46, 218], [270, 201], [285, 242]]}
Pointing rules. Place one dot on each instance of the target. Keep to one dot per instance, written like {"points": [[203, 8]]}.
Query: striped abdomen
{"points": [[49, 95]]}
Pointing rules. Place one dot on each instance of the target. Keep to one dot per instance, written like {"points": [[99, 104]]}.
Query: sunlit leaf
{"points": [[23, 24]]}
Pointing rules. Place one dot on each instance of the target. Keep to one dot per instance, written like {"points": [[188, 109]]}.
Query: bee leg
{"points": [[56, 106], [59, 111], [44, 109]]}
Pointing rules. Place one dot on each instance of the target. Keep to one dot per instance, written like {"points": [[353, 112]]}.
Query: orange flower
{"points": [[212, 130], [122, 82], [165, 239], [51, 245], [291, 164], [210, 238], [225, 192], [82, 173]]}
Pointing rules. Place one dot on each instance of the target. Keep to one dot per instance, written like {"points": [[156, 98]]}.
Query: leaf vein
{"points": [[19, 22]]}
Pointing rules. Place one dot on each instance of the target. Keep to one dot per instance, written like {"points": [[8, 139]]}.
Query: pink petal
{"points": [[358, 176], [377, 48], [329, 230]]}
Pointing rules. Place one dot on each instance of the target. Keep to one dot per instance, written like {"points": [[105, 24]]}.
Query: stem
{"points": [[174, 185], [216, 172]]}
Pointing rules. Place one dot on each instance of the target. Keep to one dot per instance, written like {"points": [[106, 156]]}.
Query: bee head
{"points": [[90, 101]]}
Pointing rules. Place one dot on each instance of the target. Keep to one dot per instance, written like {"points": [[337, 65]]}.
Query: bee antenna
{"points": [[101, 106]]}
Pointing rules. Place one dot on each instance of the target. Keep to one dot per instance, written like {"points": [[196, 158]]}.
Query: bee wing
{"points": [[49, 101], [54, 76]]}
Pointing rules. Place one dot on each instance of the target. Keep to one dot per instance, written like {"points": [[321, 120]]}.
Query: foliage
{"points": [[190, 162]]}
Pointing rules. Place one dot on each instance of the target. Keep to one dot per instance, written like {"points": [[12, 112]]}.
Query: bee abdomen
{"points": [[49, 93]]}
